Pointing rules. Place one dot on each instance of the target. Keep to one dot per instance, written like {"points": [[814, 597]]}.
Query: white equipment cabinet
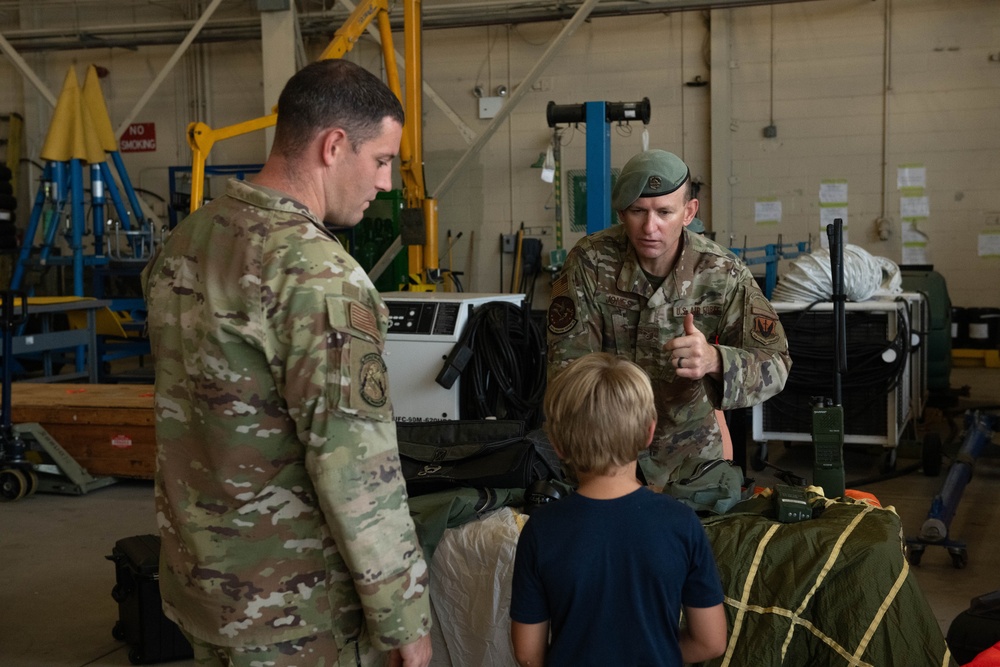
{"points": [[873, 414], [423, 329]]}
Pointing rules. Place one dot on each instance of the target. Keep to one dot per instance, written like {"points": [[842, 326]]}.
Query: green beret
{"points": [[649, 174]]}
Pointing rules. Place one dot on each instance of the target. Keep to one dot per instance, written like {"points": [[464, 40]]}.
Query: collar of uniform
{"points": [[268, 198], [697, 246], [632, 278], [683, 273]]}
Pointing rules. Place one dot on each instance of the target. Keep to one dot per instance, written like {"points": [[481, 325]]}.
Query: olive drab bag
{"points": [[708, 486]]}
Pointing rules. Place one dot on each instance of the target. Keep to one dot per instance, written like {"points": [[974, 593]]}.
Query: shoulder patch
{"points": [[561, 315], [560, 287], [762, 321], [372, 383], [364, 320]]}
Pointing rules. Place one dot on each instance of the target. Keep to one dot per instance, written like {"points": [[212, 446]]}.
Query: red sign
{"points": [[138, 138]]}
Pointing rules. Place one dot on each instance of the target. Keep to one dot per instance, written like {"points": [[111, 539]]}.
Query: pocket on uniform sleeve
{"points": [[357, 381]]}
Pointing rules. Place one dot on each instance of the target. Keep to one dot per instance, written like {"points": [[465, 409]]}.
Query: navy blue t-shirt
{"points": [[611, 576]]}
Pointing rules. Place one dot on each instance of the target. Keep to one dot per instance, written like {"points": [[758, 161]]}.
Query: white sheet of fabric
{"points": [[471, 575], [866, 276]]}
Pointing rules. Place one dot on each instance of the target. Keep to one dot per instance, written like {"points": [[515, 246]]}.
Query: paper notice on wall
{"points": [[911, 234], [767, 211], [989, 244], [914, 207], [911, 176], [914, 244], [828, 214], [827, 217], [833, 192], [915, 253], [832, 205]]}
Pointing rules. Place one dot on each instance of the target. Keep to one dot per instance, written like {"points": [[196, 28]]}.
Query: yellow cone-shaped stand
{"points": [[93, 101], [71, 132]]}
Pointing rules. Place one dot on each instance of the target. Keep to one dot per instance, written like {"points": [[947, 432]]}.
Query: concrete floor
{"points": [[56, 608]]}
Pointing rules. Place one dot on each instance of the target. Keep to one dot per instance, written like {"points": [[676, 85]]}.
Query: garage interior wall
{"points": [[854, 89]]}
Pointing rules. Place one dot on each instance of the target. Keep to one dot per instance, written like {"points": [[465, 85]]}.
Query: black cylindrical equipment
{"points": [[613, 111]]}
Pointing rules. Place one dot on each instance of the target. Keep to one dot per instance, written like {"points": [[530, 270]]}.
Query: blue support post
{"points": [[598, 167], [116, 158], [59, 192], [36, 216], [770, 269], [76, 225], [97, 202]]}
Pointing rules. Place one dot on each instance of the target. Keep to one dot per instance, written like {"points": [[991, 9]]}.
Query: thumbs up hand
{"points": [[689, 328], [691, 355]]}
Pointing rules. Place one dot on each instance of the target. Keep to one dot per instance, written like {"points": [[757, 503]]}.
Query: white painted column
{"points": [[278, 44], [722, 127]]}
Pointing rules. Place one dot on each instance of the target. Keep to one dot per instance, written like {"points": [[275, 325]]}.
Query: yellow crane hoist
{"points": [[422, 256]]}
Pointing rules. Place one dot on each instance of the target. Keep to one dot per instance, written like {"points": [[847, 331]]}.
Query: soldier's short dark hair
{"points": [[333, 93]]}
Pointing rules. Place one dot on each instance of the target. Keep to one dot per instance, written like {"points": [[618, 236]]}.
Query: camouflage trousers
{"points": [[311, 651]]}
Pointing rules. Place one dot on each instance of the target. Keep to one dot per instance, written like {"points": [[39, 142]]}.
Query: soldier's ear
{"points": [[332, 143], [690, 211]]}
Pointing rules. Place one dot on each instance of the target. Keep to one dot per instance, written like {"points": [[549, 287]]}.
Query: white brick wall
{"points": [[833, 114]]}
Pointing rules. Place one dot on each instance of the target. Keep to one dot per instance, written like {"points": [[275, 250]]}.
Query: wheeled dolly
{"points": [[30, 459], [979, 428]]}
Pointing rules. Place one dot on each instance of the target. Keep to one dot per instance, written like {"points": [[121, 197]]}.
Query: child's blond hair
{"points": [[598, 411]]}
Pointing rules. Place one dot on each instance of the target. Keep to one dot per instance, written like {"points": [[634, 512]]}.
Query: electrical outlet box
{"points": [[771, 131], [508, 243], [489, 107]]}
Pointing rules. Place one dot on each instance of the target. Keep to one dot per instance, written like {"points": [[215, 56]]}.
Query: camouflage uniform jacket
{"points": [[279, 496], [602, 300]]}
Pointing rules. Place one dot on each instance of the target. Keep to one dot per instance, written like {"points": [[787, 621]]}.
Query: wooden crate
{"points": [[106, 428]]}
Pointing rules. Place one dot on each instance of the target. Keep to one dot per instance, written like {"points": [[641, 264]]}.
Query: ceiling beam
{"points": [[321, 24]]}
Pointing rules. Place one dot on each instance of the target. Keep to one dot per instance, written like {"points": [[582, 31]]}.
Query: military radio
{"points": [[828, 415]]}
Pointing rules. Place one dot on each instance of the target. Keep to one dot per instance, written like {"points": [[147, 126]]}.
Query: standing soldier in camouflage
{"points": [[682, 307], [286, 536]]}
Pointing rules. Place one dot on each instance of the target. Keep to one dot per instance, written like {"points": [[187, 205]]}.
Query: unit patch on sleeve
{"points": [[761, 320], [372, 380], [562, 315]]}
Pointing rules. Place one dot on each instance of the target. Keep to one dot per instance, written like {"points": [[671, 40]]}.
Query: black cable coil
{"points": [[869, 374], [505, 378]]}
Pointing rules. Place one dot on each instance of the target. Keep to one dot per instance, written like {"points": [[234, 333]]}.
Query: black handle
{"points": [[835, 235]]}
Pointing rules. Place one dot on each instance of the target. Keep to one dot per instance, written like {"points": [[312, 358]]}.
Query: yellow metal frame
{"points": [[201, 138]]}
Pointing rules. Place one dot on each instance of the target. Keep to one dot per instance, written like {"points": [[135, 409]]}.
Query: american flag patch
{"points": [[560, 286], [362, 319]]}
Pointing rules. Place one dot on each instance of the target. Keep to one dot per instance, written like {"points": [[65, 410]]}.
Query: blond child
{"points": [[601, 577]]}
